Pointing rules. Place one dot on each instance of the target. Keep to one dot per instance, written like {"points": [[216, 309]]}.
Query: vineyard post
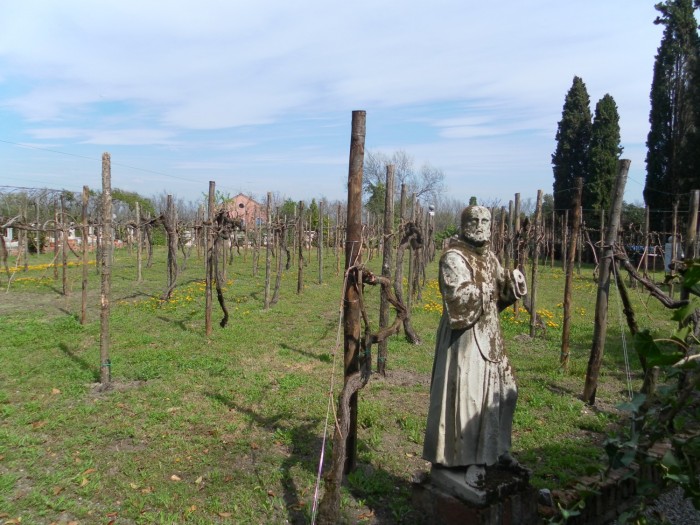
{"points": [[674, 244], [535, 263], [38, 228], [106, 271], [509, 247], [691, 233], [300, 245], [646, 240], [319, 242], [268, 250], [409, 281], [353, 257], [23, 236], [553, 232], [64, 248], [55, 239], [295, 234], [208, 257], [569, 278], [580, 240], [606, 262], [502, 235], [387, 263], [84, 243], [398, 274], [139, 242], [171, 231]]}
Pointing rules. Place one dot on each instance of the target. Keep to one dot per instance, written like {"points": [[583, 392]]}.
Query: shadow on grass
{"points": [[179, 323], [324, 358], [386, 495], [82, 363]]}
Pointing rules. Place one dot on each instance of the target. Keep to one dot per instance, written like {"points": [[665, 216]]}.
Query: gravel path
{"points": [[675, 508]]}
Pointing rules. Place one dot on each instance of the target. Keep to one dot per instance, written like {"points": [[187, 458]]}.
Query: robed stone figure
{"points": [[473, 391]]}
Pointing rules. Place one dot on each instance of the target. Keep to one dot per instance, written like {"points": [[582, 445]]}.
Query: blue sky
{"points": [[258, 96]]}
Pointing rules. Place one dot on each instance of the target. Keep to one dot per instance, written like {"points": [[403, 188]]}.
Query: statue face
{"points": [[476, 225]]}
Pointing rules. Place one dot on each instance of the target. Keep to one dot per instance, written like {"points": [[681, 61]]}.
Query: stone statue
{"points": [[473, 391]]}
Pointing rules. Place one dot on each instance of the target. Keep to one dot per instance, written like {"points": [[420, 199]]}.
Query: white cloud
{"points": [[257, 74]]}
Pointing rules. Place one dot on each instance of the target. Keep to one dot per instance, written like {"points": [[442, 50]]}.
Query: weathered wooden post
{"points": [[553, 237], [502, 235], [268, 251], [208, 251], [84, 243], [139, 244], [606, 262], [646, 240], [55, 241], [580, 241], [410, 290], [171, 235], [674, 246], [569, 279], [106, 270], [535, 264], [64, 248], [509, 246], [300, 243], [353, 257], [387, 264], [319, 241], [38, 228]]}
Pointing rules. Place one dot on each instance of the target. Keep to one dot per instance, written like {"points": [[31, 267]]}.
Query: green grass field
{"points": [[229, 429]]}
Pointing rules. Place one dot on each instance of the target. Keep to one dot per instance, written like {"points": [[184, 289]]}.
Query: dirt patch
{"points": [[100, 390], [403, 378]]}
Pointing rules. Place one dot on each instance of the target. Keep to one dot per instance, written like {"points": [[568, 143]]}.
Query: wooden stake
{"points": [[387, 264], [646, 240], [601, 313], [353, 257], [106, 269], [535, 264], [209, 248], [64, 248], [268, 251], [319, 241], [139, 244], [569, 279], [84, 243], [300, 243]]}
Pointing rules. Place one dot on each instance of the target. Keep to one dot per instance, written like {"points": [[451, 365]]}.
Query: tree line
{"points": [[589, 146]]}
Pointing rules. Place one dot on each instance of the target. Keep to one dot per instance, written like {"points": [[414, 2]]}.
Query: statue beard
{"points": [[480, 245]]}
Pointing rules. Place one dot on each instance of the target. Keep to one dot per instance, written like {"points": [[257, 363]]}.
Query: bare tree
{"points": [[427, 183]]}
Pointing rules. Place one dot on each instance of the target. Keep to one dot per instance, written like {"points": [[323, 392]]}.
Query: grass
{"points": [[228, 429]]}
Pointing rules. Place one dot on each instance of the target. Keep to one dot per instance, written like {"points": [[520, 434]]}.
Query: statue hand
{"points": [[519, 283]]}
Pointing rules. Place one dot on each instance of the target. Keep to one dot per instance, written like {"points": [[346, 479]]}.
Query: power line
{"points": [[146, 170]]}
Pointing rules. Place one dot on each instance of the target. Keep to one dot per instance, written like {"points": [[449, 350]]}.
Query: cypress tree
{"points": [[672, 115], [570, 160], [605, 151]]}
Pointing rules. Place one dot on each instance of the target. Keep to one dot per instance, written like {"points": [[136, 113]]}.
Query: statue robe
{"points": [[473, 392]]}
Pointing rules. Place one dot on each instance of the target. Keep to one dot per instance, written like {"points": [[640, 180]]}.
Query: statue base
{"points": [[507, 498]]}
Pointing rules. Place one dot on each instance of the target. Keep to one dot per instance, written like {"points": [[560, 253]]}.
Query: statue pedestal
{"points": [[507, 498]]}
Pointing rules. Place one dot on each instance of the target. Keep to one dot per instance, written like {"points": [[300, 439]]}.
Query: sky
{"points": [[258, 95]]}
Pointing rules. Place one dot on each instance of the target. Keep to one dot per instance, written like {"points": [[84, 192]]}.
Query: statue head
{"points": [[476, 225]]}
